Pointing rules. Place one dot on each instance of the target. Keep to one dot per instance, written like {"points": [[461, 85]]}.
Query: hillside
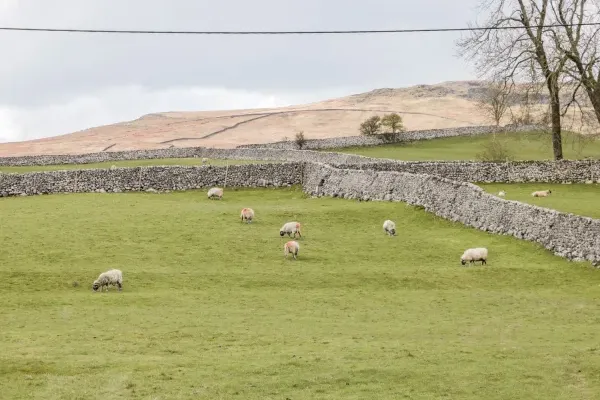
{"points": [[445, 105]]}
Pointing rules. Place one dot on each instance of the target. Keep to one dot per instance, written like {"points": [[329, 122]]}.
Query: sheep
{"points": [[111, 277], [292, 247], [389, 227], [502, 193], [290, 228], [541, 193], [476, 254], [215, 192], [247, 214], [204, 160]]}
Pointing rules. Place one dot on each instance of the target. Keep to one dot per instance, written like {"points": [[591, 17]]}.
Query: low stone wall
{"points": [[564, 171], [409, 136], [150, 179], [573, 237], [186, 152], [580, 171]]}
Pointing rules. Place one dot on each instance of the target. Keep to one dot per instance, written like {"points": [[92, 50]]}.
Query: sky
{"points": [[57, 83]]}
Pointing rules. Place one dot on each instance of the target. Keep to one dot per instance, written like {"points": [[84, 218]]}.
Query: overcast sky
{"points": [[56, 83]]}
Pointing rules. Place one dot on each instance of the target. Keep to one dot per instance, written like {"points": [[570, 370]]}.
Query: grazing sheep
{"points": [[247, 214], [204, 161], [290, 228], [476, 254], [502, 193], [215, 193], [389, 227], [541, 193], [113, 167], [292, 247], [111, 277]]}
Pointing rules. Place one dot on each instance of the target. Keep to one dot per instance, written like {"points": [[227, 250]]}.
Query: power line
{"points": [[288, 32]]}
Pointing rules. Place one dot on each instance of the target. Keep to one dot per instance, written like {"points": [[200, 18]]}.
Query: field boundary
{"points": [[570, 236], [408, 136]]}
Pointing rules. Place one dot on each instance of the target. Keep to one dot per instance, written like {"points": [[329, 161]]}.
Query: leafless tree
{"points": [[518, 55], [493, 102], [580, 43]]}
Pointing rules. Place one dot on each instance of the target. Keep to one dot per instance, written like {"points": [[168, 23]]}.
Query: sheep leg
{"points": [[120, 286]]}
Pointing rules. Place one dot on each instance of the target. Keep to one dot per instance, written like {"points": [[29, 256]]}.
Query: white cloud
{"points": [[120, 104]]}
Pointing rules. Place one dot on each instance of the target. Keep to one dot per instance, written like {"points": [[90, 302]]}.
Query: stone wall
{"points": [[409, 136], [580, 171], [573, 237], [150, 179], [564, 171]]}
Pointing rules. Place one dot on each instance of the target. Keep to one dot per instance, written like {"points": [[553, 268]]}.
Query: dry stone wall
{"points": [[574, 237], [150, 179], [564, 171], [409, 136]]}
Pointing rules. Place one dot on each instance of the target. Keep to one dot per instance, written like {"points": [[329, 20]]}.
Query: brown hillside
{"points": [[444, 105]]}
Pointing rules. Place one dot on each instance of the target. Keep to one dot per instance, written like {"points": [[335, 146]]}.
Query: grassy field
{"points": [[523, 146], [578, 199], [210, 309], [127, 163]]}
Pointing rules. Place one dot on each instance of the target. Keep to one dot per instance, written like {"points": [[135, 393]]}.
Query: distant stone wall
{"points": [[409, 136], [564, 171], [573, 237], [150, 179], [580, 171], [185, 152]]}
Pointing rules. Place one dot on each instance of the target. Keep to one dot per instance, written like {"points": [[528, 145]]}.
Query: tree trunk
{"points": [[555, 115]]}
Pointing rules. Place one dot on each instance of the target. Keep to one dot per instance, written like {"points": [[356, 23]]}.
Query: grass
{"points": [[210, 309], [523, 146], [578, 199], [127, 163]]}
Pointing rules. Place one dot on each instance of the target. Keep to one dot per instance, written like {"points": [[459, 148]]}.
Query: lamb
{"points": [[204, 160], [291, 228], [111, 277], [389, 227], [215, 192], [476, 254], [541, 193], [502, 193], [292, 247], [247, 214]]}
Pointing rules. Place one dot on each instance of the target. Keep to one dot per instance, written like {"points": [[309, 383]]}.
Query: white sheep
{"points": [[291, 228], [204, 160], [541, 193], [292, 247], [111, 277], [215, 192], [476, 254], [502, 193], [247, 214], [389, 227]]}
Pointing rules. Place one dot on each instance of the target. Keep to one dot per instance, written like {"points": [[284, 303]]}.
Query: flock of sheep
{"points": [[114, 277], [539, 193]]}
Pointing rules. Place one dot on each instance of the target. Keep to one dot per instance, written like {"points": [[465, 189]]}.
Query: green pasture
{"points": [[521, 146], [210, 308]]}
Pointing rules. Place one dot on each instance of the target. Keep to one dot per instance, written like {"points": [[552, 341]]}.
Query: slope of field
{"points": [[522, 146], [210, 308], [446, 105]]}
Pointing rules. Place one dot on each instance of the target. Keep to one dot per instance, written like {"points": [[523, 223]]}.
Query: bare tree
{"points": [[300, 140], [493, 102], [580, 43], [523, 54]]}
